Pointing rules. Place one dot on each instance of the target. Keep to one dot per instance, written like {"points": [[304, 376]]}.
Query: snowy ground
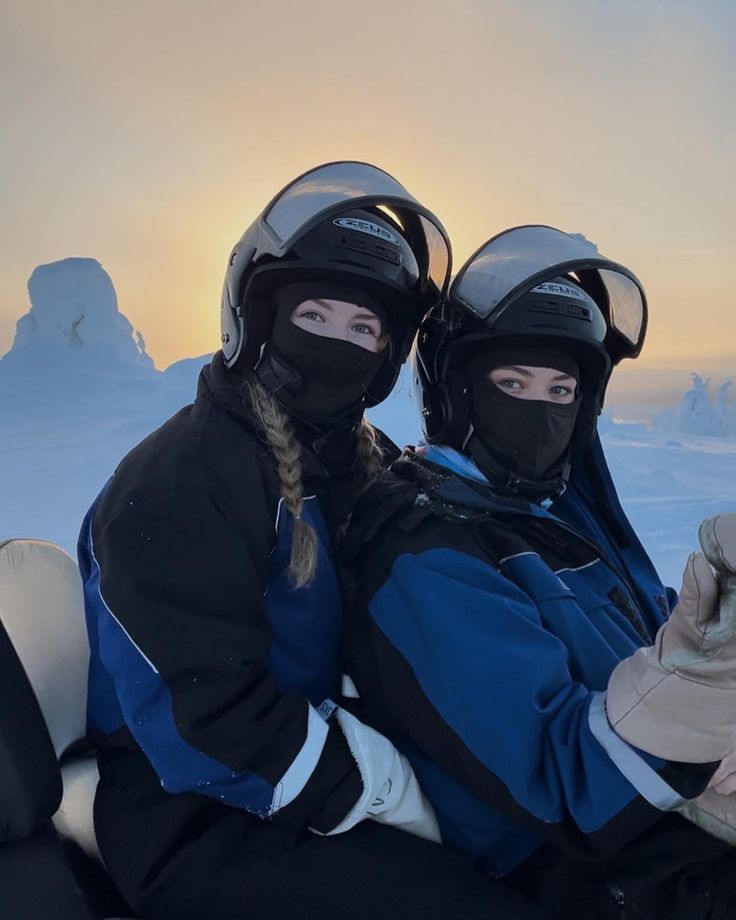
{"points": [[668, 484], [77, 391]]}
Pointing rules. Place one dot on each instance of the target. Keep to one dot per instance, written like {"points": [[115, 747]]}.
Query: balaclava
{"points": [[320, 380], [521, 445]]}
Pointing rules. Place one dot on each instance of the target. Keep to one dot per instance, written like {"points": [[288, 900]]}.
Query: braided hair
{"points": [[279, 433]]}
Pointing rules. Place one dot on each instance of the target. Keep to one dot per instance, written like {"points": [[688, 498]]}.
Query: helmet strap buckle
{"points": [[276, 374]]}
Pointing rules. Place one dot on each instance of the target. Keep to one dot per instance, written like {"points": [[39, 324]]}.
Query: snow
{"points": [[668, 486], [78, 390], [699, 414], [74, 309]]}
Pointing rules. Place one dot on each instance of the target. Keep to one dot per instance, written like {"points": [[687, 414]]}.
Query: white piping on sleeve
{"points": [[578, 568], [645, 780], [303, 765], [516, 556], [140, 651], [280, 506]]}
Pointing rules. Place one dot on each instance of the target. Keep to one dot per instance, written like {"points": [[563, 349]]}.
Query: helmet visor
{"points": [[337, 187], [518, 259]]}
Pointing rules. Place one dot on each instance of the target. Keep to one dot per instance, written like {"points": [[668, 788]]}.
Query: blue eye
{"points": [[364, 329]]}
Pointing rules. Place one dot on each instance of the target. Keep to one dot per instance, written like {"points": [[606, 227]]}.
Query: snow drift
{"points": [[74, 310], [699, 414]]}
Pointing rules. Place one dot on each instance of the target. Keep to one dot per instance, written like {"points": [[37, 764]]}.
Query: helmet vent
{"points": [[575, 310], [358, 244], [388, 255]]}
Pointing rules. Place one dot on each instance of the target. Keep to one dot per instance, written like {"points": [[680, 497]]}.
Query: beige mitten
{"points": [[714, 813], [723, 780], [715, 810], [677, 698]]}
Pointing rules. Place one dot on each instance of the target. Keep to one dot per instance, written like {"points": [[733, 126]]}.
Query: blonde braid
{"points": [[369, 453], [369, 461], [276, 426]]}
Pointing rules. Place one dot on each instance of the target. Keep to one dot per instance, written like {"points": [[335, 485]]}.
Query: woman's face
{"points": [[338, 319], [540, 383]]}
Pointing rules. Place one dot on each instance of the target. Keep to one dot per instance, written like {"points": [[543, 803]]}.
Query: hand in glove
{"points": [[715, 810], [723, 780], [677, 698], [713, 813], [391, 793]]}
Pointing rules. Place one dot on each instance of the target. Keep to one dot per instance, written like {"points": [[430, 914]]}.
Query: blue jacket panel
{"points": [[492, 628], [305, 651], [126, 690], [206, 662]]}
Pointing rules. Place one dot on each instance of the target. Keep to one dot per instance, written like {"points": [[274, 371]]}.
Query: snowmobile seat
{"points": [[42, 610], [44, 875]]}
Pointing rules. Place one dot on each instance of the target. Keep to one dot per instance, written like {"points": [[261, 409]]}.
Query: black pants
{"points": [[674, 871], [189, 858]]}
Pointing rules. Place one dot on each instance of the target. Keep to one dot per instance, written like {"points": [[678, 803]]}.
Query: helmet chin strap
{"points": [[508, 483], [275, 374]]}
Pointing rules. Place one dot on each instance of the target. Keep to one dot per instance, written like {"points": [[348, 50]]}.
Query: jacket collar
{"points": [[324, 454], [451, 459], [468, 485]]}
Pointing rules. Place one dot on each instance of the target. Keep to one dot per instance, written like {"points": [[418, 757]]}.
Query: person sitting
{"points": [[231, 784], [506, 628]]}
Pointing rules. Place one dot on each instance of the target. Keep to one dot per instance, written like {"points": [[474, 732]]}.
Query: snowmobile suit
{"points": [[211, 688], [480, 635]]}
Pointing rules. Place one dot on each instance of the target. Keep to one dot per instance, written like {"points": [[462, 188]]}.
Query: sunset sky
{"points": [[148, 133]]}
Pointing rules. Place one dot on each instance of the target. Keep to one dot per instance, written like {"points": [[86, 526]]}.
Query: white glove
{"points": [[391, 793]]}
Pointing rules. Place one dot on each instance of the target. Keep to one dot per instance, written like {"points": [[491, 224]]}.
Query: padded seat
{"points": [[42, 610], [73, 818], [44, 659]]}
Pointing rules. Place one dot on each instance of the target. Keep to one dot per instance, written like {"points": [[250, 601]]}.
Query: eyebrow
{"points": [[327, 306], [526, 373]]}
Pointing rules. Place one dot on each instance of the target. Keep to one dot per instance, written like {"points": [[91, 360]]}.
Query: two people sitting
{"points": [[252, 559]]}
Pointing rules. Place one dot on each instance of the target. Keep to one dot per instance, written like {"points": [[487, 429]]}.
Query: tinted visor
{"points": [[338, 187], [518, 259]]}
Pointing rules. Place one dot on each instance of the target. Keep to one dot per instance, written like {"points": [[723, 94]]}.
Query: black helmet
{"points": [[531, 287], [344, 223]]}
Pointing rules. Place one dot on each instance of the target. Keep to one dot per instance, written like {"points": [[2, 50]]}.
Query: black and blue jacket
{"points": [[208, 670], [481, 636]]}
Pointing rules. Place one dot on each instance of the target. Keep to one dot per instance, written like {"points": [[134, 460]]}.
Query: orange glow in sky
{"points": [[148, 135]]}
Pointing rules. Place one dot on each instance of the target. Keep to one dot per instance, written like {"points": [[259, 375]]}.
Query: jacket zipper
{"points": [[587, 541], [607, 561], [616, 893]]}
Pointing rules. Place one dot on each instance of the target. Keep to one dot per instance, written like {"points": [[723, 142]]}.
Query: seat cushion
{"points": [[74, 819], [42, 610]]}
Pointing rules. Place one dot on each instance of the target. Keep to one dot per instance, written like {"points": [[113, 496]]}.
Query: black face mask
{"points": [[320, 380], [528, 438]]}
